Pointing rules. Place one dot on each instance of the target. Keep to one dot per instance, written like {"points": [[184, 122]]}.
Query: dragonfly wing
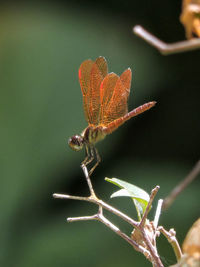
{"points": [[98, 72], [115, 92], [91, 75], [106, 92], [102, 65], [126, 79], [84, 79]]}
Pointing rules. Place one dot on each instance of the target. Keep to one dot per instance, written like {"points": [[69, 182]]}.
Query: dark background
{"points": [[41, 48]]}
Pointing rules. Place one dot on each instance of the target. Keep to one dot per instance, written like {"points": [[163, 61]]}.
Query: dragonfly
{"points": [[105, 97]]}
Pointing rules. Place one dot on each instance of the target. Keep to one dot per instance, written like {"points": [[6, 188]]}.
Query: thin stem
{"points": [[171, 237], [118, 213], [164, 48], [151, 249], [149, 38], [85, 171], [82, 218], [158, 212], [152, 196], [182, 185], [123, 216], [100, 217], [150, 253], [101, 203], [63, 196], [115, 229]]}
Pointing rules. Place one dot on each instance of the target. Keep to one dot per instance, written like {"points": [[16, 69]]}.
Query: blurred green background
{"points": [[41, 48]]}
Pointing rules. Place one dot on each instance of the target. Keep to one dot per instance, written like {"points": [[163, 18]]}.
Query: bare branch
{"points": [[148, 250], [171, 237], [152, 196], [151, 248], [153, 251], [158, 212], [63, 196], [102, 204], [87, 177], [164, 48], [182, 185], [115, 229], [100, 217], [82, 218]]}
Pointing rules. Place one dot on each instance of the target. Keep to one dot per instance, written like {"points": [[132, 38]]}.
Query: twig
{"points": [[150, 254], [101, 203], [87, 177], [82, 218], [153, 251], [115, 229], [152, 196], [164, 48], [100, 217], [149, 251], [171, 237], [182, 185], [63, 196], [158, 212], [149, 245]]}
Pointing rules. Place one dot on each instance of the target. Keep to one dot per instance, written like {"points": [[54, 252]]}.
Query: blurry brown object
{"points": [[190, 18], [191, 247], [191, 244]]}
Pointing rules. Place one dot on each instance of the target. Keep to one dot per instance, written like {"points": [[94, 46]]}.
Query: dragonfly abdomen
{"points": [[118, 122], [139, 110]]}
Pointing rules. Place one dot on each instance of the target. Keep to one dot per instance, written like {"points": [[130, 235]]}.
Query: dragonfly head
{"points": [[76, 142]]}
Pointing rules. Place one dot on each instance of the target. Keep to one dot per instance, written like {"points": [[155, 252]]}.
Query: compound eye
{"points": [[76, 142]]}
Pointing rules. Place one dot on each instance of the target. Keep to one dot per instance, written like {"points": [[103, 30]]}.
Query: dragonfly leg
{"points": [[89, 156], [94, 153]]}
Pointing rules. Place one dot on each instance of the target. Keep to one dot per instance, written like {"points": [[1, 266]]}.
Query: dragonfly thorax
{"points": [[92, 135]]}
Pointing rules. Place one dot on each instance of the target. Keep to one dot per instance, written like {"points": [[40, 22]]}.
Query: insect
{"points": [[105, 98]]}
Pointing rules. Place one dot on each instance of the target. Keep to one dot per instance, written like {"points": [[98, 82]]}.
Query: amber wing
{"points": [[114, 93], [91, 74]]}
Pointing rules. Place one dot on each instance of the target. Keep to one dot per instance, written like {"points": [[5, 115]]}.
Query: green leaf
{"points": [[121, 193], [139, 196]]}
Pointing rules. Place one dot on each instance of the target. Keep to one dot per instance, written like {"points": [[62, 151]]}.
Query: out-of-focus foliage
{"points": [[41, 48]]}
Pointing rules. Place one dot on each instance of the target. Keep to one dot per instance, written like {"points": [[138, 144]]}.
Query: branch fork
{"points": [[147, 231]]}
